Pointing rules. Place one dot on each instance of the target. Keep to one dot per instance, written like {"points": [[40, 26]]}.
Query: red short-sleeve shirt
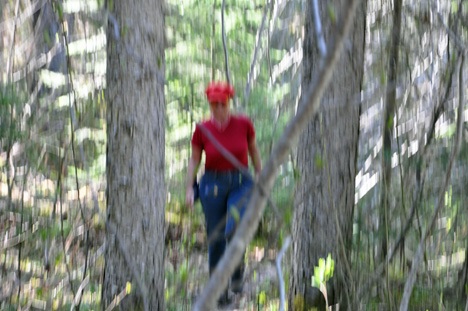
{"points": [[235, 138]]}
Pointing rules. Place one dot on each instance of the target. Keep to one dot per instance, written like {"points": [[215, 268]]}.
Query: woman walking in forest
{"points": [[224, 190]]}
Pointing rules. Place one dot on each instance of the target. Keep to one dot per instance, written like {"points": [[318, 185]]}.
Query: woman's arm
{"points": [[193, 164], [255, 156]]}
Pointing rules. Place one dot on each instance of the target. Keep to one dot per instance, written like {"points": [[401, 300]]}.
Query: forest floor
{"points": [[187, 274]]}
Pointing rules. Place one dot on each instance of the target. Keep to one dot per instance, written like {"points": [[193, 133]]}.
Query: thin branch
{"points": [[63, 243], [280, 273], [254, 58], [25, 14], [10, 54], [21, 231], [322, 47], [254, 211], [213, 43], [226, 56], [462, 48], [77, 299], [419, 254]]}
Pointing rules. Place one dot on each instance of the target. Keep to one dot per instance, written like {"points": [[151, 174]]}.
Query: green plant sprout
{"points": [[323, 272]]}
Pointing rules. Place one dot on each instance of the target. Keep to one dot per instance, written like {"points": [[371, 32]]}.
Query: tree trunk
{"points": [[326, 161], [135, 156], [388, 126]]}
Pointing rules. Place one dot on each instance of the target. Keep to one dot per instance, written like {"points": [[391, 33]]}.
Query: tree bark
{"points": [[326, 160], [135, 156]]}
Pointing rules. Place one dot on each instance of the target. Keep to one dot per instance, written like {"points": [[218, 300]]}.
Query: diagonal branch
{"points": [[249, 223]]}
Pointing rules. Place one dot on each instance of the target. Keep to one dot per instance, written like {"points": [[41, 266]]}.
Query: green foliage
{"points": [[11, 112], [323, 272]]}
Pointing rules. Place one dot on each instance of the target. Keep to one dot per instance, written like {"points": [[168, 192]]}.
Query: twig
{"points": [[249, 223], [77, 299], [9, 62], [21, 231], [213, 44], [226, 56], [419, 254], [63, 244], [280, 273], [462, 48], [466, 305], [254, 58], [25, 14]]}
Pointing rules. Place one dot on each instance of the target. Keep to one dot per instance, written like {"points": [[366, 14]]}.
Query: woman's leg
{"points": [[213, 196], [237, 203]]}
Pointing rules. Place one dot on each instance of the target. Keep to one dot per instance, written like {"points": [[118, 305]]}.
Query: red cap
{"points": [[219, 92]]}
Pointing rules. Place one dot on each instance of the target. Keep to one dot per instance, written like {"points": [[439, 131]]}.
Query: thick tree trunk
{"points": [[326, 160], [135, 156]]}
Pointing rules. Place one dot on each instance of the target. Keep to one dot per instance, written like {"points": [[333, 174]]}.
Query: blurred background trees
{"points": [[57, 87]]}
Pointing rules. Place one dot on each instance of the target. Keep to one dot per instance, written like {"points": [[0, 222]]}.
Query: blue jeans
{"points": [[220, 194]]}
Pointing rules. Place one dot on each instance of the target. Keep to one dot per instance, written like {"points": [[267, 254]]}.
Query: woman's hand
{"points": [[191, 172], [189, 197]]}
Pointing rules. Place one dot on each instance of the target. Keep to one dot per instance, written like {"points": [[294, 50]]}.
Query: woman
{"points": [[224, 191]]}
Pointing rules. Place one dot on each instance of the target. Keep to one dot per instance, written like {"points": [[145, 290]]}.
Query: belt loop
{"points": [[240, 178]]}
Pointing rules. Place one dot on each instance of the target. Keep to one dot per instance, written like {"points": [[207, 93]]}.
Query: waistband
{"points": [[228, 173], [223, 173]]}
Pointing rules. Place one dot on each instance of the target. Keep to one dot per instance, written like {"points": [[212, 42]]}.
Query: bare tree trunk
{"points": [[135, 156], [326, 162], [389, 125]]}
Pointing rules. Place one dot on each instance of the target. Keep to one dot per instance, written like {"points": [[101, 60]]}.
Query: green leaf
{"points": [[329, 268], [262, 297], [315, 282], [322, 270]]}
